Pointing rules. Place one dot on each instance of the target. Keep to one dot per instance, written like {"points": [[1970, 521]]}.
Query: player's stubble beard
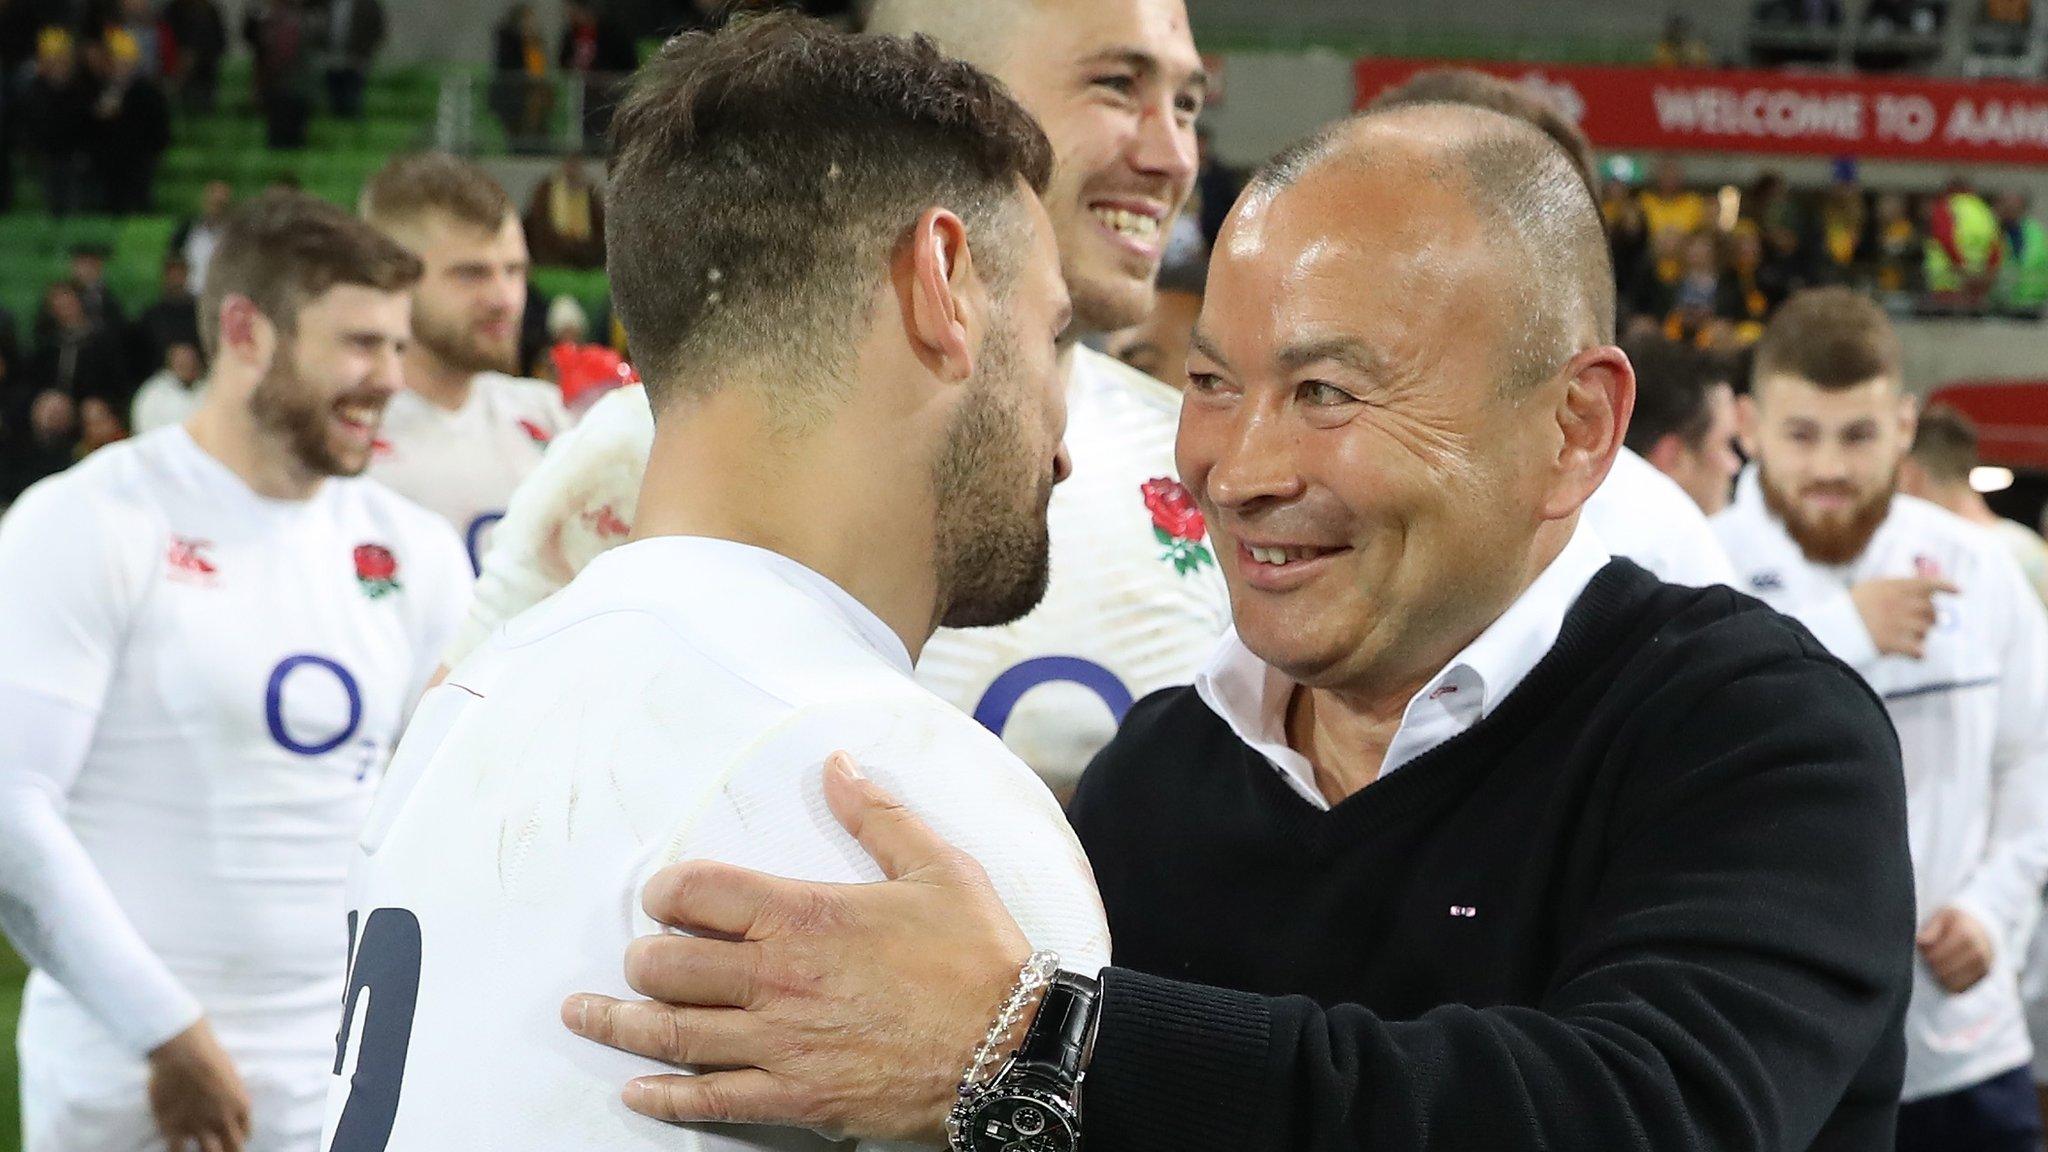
{"points": [[991, 541], [1833, 539], [457, 344], [286, 406]]}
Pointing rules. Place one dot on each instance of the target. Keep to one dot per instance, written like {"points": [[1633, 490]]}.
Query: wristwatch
{"points": [[1033, 1103]]}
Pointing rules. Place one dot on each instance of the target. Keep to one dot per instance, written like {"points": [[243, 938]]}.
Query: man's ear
{"points": [[1909, 418], [944, 303], [1592, 415], [246, 334], [1669, 449]]}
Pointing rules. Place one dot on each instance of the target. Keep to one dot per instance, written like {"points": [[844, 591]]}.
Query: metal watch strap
{"points": [[1059, 1038]]}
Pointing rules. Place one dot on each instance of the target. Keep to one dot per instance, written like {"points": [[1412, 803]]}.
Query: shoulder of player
{"points": [[408, 522], [124, 479], [1924, 525]]}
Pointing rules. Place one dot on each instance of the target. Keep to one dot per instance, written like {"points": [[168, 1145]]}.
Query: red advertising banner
{"points": [[1669, 109]]}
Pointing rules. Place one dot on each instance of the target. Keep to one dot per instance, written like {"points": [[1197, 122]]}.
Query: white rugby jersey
{"points": [[1644, 515], [677, 701], [251, 662], [1135, 602], [1973, 731], [464, 464]]}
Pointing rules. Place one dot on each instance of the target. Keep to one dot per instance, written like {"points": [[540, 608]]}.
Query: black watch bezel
{"points": [[1046, 1070]]}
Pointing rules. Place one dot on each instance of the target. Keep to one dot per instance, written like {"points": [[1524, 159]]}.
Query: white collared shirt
{"points": [[1252, 696]]}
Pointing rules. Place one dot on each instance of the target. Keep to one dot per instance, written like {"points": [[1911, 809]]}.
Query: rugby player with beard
{"points": [[214, 632], [466, 429], [1937, 616], [1136, 600]]}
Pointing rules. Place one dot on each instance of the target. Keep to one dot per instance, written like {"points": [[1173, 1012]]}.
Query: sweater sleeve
{"points": [[1746, 952]]}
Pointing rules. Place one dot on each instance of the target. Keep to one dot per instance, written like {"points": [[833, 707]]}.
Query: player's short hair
{"points": [[763, 174], [282, 249], [1480, 90], [1945, 444], [1833, 338], [1674, 381], [1523, 186], [410, 187]]}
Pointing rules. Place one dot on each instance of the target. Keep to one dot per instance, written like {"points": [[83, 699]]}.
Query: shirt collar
{"points": [[1252, 697], [731, 553]]}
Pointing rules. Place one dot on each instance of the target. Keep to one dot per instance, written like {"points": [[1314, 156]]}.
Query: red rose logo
{"points": [[376, 570], [1177, 523]]}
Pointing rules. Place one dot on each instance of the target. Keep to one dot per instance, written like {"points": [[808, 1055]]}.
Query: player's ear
{"points": [[1592, 411], [246, 334], [945, 305]]}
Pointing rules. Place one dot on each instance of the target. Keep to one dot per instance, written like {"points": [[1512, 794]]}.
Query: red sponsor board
{"points": [[1670, 109]]}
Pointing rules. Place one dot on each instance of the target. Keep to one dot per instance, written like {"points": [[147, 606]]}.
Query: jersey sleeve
{"points": [[768, 813], [2004, 892], [68, 575], [575, 506]]}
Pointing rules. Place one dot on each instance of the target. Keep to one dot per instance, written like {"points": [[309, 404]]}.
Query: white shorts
{"points": [[81, 1091]]}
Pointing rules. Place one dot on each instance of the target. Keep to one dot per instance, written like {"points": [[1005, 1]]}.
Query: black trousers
{"points": [[1995, 1115]]}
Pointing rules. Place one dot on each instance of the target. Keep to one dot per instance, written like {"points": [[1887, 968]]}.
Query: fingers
{"points": [[705, 896], [743, 1095], [683, 1036], [1936, 929], [693, 970], [892, 834], [208, 1142]]}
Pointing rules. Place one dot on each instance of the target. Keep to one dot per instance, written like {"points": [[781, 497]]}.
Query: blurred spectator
{"points": [[133, 127], [1684, 421], [89, 279], [1844, 220], [520, 93], [138, 22], [199, 36], [2003, 28], [172, 319], [277, 33], [1705, 300], [56, 117], [199, 235], [1938, 469], [1800, 13], [597, 51], [1158, 344], [583, 371], [352, 32], [1681, 46], [75, 359], [37, 430], [1670, 208], [1759, 286], [1963, 248], [98, 426], [1904, 17], [1628, 235], [1896, 257], [173, 393], [1216, 186], [2023, 281], [565, 218]]}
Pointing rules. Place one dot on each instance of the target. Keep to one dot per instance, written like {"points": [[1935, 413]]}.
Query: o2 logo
{"points": [[306, 666], [993, 713], [473, 539]]}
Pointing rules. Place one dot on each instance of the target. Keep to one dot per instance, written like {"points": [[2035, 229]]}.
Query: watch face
{"points": [[1020, 1124]]}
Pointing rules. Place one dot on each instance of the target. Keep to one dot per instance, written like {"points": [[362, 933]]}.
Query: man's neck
{"points": [[227, 432], [1966, 502], [850, 511], [435, 380]]}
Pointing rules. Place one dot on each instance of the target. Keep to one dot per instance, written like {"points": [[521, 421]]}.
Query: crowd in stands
{"points": [[1709, 268]]}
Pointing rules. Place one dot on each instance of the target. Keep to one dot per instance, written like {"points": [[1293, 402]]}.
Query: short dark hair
{"points": [[1470, 86], [409, 187], [282, 249], [762, 174], [1834, 338], [1673, 383], [1945, 444]]}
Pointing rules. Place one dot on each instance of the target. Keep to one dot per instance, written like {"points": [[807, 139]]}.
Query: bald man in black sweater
{"points": [[1469, 838]]}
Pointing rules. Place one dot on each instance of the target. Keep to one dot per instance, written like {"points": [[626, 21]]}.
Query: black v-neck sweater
{"points": [[1659, 900]]}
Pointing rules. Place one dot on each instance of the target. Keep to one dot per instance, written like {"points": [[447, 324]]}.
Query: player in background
{"points": [[1934, 613], [213, 634], [1638, 511], [1684, 422], [1937, 470], [467, 428], [1136, 602], [857, 434]]}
